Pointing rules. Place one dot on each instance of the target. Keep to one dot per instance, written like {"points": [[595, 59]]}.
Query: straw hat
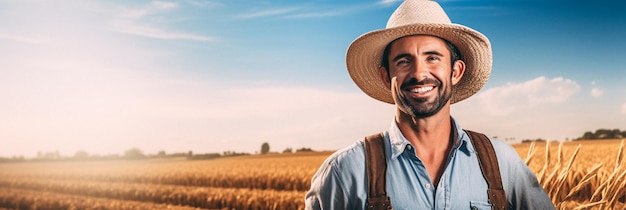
{"points": [[414, 17]]}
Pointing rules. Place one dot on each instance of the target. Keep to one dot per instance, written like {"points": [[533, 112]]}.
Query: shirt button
{"points": [[427, 186], [409, 147]]}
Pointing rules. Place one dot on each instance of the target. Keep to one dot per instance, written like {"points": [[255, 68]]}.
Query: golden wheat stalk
{"points": [[612, 188], [551, 182], [531, 153], [597, 195], [560, 154], [585, 180], [620, 156], [542, 174], [616, 190], [563, 176], [589, 205]]}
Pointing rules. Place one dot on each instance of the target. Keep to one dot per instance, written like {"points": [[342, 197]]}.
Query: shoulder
{"points": [[508, 158], [339, 182], [505, 153], [344, 167], [521, 184], [349, 157], [504, 149], [512, 167]]}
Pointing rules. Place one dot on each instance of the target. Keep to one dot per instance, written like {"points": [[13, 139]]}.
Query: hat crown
{"points": [[418, 12]]}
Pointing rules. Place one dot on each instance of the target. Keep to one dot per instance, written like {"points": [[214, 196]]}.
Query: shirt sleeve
{"points": [[327, 190], [523, 190]]}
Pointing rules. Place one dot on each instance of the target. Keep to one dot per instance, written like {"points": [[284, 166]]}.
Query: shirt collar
{"points": [[399, 142]]}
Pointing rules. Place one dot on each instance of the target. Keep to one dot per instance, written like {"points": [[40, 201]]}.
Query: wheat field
{"points": [[580, 174], [576, 175]]}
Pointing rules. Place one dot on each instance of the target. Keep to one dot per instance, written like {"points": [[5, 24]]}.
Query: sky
{"points": [[227, 75]]}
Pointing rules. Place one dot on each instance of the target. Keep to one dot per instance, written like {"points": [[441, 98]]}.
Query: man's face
{"points": [[421, 75]]}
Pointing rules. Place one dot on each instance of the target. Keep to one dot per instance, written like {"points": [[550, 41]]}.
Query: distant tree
{"points": [[533, 140], [604, 134], [615, 133], [588, 135], [205, 156], [81, 154], [161, 153], [265, 148], [233, 153], [288, 150], [51, 155], [304, 149], [134, 153]]}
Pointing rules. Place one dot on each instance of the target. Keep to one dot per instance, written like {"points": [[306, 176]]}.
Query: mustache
{"points": [[425, 81]]}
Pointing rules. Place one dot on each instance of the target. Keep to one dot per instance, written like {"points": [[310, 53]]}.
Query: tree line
{"points": [[130, 154], [591, 135], [136, 154], [603, 134]]}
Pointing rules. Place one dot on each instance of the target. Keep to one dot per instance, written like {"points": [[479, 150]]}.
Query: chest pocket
{"points": [[480, 205]]}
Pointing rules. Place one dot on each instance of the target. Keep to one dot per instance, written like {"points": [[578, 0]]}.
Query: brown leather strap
{"points": [[376, 166], [489, 166]]}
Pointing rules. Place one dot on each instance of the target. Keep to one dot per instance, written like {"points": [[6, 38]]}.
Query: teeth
{"points": [[421, 89]]}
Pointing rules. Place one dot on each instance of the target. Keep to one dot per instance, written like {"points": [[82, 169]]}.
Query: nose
{"points": [[419, 71]]}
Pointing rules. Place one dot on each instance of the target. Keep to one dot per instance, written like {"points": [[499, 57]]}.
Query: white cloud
{"points": [[164, 5], [266, 13], [515, 97], [130, 27], [200, 3], [596, 92], [133, 21], [624, 108], [24, 39], [134, 13], [319, 14], [547, 108], [328, 12], [154, 7], [388, 2], [307, 11]]}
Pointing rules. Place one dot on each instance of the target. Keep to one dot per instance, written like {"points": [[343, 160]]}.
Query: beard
{"points": [[420, 107]]}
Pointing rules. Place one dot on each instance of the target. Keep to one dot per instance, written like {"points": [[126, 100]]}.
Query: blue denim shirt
{"points": [[341, 181]]}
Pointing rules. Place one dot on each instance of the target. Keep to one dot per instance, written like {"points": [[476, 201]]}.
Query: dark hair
{"points": [[455, 54]]}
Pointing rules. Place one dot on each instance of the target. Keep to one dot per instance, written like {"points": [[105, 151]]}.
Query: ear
{"points": [[384, 76], [458, 69]]}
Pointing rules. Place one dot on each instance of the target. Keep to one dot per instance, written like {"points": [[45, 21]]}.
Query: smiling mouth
{"points": [[421, 89]]}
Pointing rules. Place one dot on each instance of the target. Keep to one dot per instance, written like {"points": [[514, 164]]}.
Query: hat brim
{"points": [[364, 55]]}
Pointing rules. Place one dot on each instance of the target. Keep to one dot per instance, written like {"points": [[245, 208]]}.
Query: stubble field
{"points": [[590, 177]]}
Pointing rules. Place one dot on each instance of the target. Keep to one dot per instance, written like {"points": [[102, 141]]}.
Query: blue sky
{"points": [[211, 76]]}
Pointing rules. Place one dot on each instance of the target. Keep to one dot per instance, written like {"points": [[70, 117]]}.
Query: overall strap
{"points": [[490, 169], [376, 167]]}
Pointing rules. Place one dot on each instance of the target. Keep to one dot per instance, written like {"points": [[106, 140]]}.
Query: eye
{"points": [[433, 58], [402, 62]]}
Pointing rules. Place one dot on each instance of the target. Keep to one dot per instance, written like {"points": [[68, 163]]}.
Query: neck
{"points": [[430, 134], [430, 137]]}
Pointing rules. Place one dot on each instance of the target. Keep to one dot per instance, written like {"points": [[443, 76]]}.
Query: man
{"points": [[423, 63]]}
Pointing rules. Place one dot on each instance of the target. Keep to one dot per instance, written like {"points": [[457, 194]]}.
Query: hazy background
{"points": [[211, 76]]}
